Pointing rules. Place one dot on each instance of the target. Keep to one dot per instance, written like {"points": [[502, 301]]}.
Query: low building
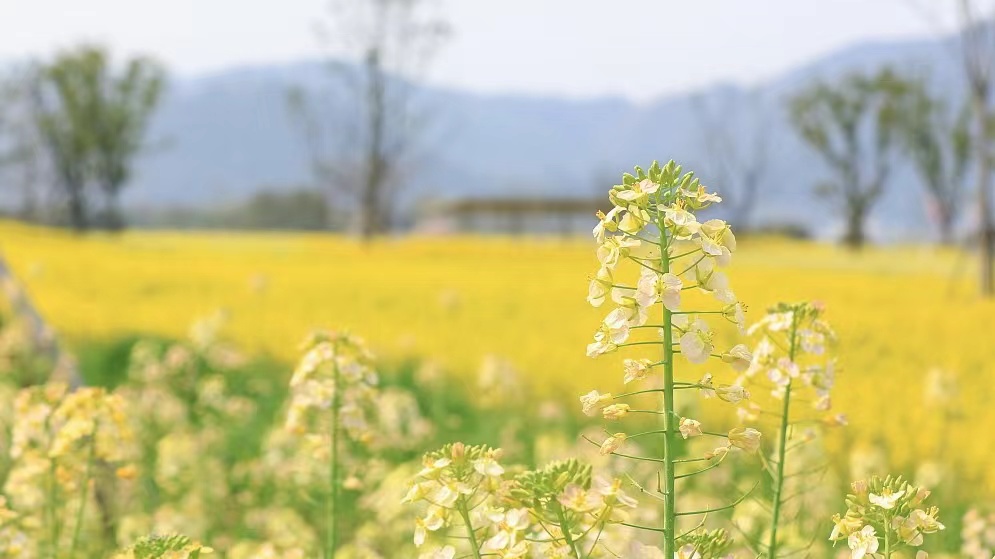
{"points": [[510, 216]]}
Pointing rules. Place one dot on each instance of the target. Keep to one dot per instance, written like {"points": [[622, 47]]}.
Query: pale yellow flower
{"points": [[615, 411], [612, 444], [433, 520], [746, 438], [886, 499], [696, 343], [687, 551], [717, 452], [612, 493], [689, 427], [448, 552], [576, 498], [862, 543], [594, 400], [843, 526], [739, 357], [600, 287], [635, 369], [732, 393]]}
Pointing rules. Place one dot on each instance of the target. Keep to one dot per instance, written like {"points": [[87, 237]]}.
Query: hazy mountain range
{"points": [[229, 134]]}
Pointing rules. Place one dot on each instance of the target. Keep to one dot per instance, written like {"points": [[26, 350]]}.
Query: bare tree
{"points": [[938, 142], [974, 53], [977, 58], [737, 140], [361, 138], [853, 124], [20, 164]]}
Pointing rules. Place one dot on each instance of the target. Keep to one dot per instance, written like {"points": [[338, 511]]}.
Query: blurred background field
{"points": [[914, 362]]}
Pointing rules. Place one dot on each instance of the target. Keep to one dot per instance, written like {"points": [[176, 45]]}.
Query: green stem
{"points": [[471, 535], [782, 443], [669, 443], [887, 542], [53, 527], [83, 493], [332, 502], [566, 531]]}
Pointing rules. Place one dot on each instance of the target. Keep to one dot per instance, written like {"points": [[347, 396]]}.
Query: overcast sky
{"points": [[636, 48]]}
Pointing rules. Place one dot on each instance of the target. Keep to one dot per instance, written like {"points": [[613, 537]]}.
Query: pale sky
{"points": [[640, 49]]}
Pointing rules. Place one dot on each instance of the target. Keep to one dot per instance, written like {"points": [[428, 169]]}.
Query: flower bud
{"points": [[746, 438], [689, 427], [732, 393], [717, 453], [593, 400], [615, 411], [739, 357], [612, 443]]}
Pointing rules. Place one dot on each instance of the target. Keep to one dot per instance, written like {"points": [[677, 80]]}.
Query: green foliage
{"points": [[706, 544], [91, 119], [938, 143], [537, 488], [855, 126], [157, 547]]}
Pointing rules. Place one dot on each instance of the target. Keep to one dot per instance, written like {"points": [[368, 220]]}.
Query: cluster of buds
{"points": [[336, 373], [570, 506], [696, 544], [883, 514], [466, 484], [164, 547], [705, 544]]}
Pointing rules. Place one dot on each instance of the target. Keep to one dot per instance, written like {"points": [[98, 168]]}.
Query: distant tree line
{"points": [[861, 124], [273, 208]]}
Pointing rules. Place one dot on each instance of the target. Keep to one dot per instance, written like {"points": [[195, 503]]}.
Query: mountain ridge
{"points": [[229, 134]]}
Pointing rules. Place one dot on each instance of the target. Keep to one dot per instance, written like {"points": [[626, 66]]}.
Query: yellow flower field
{"points": [[900, 313]]}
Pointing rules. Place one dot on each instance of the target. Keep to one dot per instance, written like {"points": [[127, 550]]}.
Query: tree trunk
{"points": [[855, 237], [946, 226], [77, 209], [986, 232], [112, 219], [372, 211]]}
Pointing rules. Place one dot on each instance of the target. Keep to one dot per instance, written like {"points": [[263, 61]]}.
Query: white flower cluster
{"points": [[978, 535], [885, 510], [336, 371], [466, 482], [652, 226], [798, 331]]}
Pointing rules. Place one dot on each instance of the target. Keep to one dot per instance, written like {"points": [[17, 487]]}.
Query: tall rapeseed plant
{"points": [[653, 229]]}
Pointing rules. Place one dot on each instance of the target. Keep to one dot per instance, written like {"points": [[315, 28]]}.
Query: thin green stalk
{"points": [[782, 442], [53, 527], [887, 541], [670, 427], [566, 532], [83, 493], [332, 502], [471, 535]]}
